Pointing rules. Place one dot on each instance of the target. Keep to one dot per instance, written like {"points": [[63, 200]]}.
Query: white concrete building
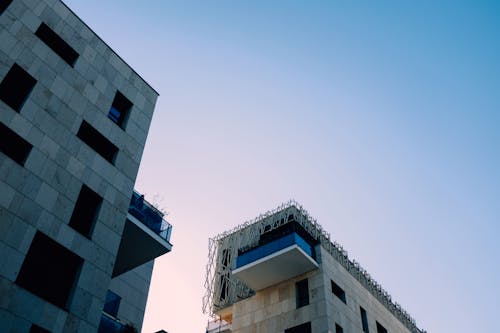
{"points": [[76, 242], [283, 273]]}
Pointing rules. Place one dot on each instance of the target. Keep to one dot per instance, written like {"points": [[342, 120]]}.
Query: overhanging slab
{"points": [[275, 268]]}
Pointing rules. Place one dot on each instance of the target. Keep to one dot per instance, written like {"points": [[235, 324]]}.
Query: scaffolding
{"points": [[222, 289]]}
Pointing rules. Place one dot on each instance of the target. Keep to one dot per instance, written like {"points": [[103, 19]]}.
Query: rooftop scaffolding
{"points": [[223, 289]]}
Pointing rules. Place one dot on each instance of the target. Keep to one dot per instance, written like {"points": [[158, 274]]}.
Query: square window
{"points": [[57, 44], [112, 303], [3, 5], [97, 142], [338, 328], [120, 109], [302, 293], [16, 87], [49, 270], [13, 145], [85, 211], [339, 292], [380, 328]]}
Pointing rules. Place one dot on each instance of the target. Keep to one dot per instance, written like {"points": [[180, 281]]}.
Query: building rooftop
{"points": [[246, 236]]}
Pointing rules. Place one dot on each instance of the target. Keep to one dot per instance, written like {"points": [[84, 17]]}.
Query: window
{"points": [[97, 141], [303, 328], [339, 292], [37, 329], [57, 44], [338, 328], [16, 87], [85, 211], [302, 293], [14, 146], [380, 328], [3, 5], [112, 303], [226, 257], [49, 270], [364, 320], [119, 109]]}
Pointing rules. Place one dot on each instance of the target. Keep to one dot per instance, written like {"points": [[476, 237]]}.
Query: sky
{"points": [[382, 118]]}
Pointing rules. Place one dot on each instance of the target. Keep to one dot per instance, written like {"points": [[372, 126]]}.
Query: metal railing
{"points": [[274, 246], [150, 216]]}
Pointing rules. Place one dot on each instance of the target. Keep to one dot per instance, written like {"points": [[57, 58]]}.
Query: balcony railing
{"points": [[273, 247], [149, 216]]}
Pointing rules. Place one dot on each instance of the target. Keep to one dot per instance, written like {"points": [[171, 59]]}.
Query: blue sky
{"points": [[381, 118]]}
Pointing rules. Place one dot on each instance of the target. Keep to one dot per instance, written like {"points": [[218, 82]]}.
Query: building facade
{"points": [[282, 273], [76, 241]]}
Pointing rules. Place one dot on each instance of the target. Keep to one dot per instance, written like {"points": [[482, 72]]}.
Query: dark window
{"points": [[339, 292], [119, 109], [364, 320], [3, 5], [226, 257], [302, 328], [302, 293], [112, 303], [57, 44], [85, 211], [15, 87], [338, 328], [49, 270], [37, 329], [14, 146], [97, 141], [380, 328]]}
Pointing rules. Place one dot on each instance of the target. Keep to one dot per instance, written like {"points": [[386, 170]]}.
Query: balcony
{"points": [[146, 236], [276, 261]]}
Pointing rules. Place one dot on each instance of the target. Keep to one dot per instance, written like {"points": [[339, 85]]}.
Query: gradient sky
{"points": [[382, 118]]}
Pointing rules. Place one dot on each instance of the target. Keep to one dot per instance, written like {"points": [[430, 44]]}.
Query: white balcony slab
{"points": [[275, 268]]}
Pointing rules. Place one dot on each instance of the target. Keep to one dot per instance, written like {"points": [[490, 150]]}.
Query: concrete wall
{"points": [[274, 309], [348, 315], [42, 194], [133, 288]]}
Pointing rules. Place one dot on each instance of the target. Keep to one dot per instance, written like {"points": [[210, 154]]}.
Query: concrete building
{"points": [[283, 273], [76, 242]]}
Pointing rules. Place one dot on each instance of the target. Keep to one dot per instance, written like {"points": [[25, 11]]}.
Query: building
{"points": [[282, 273], [76, 242]]}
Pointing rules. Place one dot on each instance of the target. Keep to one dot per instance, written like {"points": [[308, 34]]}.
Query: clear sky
{"points": [[382, 118]]}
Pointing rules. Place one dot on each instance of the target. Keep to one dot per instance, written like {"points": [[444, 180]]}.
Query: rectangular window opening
{"points": [[57, 44], [97, 142], [364, 320], [120, 109], [3, 5], [302, 293], [16, 87], [85, 211], [112, 303], [338, 328], [380, 328], [339, 292], [13, 145], [302, 328], [49, 270]]}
